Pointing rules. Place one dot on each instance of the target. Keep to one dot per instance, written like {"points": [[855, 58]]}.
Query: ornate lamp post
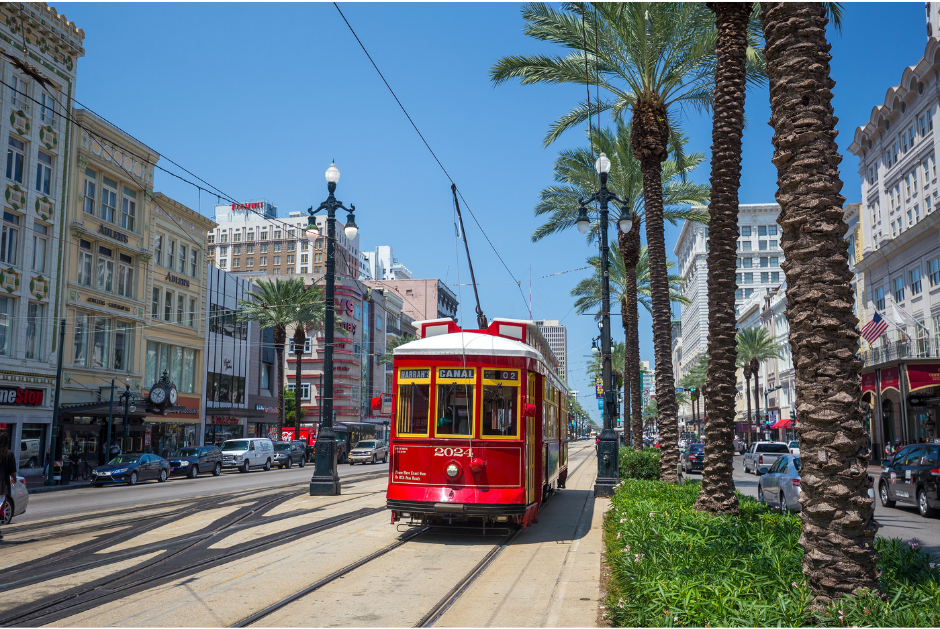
{"points": [[325, 481], [608, 473]]}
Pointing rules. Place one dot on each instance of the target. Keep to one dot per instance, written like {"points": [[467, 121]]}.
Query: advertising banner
{"points": [[891, 379]]}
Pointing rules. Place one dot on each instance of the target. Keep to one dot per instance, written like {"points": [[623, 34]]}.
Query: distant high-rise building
{"points": [[557, 336], [383, 265]]}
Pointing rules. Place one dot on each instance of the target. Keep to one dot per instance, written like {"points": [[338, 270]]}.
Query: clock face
{"points": [[157, 395], [173, 395]]}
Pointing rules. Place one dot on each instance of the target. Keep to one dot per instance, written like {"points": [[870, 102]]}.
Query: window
{"points": [[108, 199], [290, 259], [263, 261], [746, 245], [761, 230], [88, 192], [907, 185], [923, 125], [304, 389], [168, 306], [43, 172], [35, 319], [290, 233], [223, 264], [182, 259], [775, 277], [414, 401], [500, 404], [237, 237], [765, 278], [914, 181], [304, 245], [308, 346], [277, 234], [915, 281], [748, 278], [773, 245], [910, 217], [291, 246], [180, 303], [277, 259], [158, 249], [250, 262], [773, 261], [746, 232], [39, 247], [125, 286], [80, 338], [277, 247], [123, 345], [264, 235], [933, 165], [747, 263], [738, 294], [46, 108], [179, 362], [155, 303], [84, 263], [237, 250], [264, 248], [762, 245], [16, 158], [224, 237], [737, 278], [899, 289], [236, 263], [303, 258], [316, 269], [101, 343], [748, 292], [303, 269], [171, 253], [193, 262], [211, 240], [318, 244], [250, 249], [192, 312], [105, 269], [928, 205], [129, 210], [737, 263], [251, 235], [933, 269], [19, 91], [318, 257]]}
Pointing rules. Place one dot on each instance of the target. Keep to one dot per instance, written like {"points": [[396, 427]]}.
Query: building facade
{"points": [[557, 336], [423, 299], [897, 254], [383, 265], [39, 136]]}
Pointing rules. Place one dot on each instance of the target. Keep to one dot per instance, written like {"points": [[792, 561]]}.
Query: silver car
{"points": [[780, 485], [370, 451], [20, 500]]}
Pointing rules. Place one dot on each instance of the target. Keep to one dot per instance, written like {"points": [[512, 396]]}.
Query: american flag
{"points": [[874, 329]]}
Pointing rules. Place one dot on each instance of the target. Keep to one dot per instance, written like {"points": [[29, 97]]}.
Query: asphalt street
{"points": [[902, 521], [76, 502]]}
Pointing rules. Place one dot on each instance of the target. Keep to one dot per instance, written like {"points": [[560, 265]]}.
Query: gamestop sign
{"points": [[21, 397]]}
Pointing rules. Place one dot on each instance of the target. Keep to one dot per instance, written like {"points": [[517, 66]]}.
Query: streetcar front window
{"points": [[500, 411], [414, 404], [454, 409]]}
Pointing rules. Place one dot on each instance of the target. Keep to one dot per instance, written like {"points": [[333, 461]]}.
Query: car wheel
{"points": [[194, 471], [8, 510], [133, 479], [373, 459], [922, 506], [883, 494], [246, 467], [351, 463], [217, 471], [163, 476], [303, 462], [784, 507], [385, 458], [290, 462], [267, 465]]}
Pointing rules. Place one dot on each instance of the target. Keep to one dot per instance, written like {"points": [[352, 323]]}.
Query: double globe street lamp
{"points": [[608, 473], [325, 481]]}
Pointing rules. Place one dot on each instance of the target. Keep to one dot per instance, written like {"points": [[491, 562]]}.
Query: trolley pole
{"points": [[325, 480]]}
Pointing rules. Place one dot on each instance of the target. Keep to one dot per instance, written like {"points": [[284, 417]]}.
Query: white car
{"points": [[794, 448], [20, 500], [244, 454]]}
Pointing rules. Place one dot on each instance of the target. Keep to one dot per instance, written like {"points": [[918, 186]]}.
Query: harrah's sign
{"points": [[248, 206]]}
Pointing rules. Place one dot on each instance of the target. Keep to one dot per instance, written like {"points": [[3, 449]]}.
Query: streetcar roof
{"points": [[467, 343]]}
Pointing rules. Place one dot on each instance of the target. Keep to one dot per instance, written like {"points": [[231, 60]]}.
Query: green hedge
{"points": [[674, 566], [639, 464]]}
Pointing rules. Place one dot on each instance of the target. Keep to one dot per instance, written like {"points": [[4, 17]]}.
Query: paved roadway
{"points": [[902, 521], [76, 502]]}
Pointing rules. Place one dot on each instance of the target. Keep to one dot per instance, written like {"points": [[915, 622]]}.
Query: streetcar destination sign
{"points": [[455, 373], [414, 373]]}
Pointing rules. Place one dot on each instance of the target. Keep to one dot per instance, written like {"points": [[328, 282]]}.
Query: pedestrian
{"points": [[115, 449], [7, 476], [46, 462], [73, 463]]}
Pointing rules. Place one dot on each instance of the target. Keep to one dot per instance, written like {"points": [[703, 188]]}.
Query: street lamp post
{"points": [[608, 474], [325, 481], [56, 441], [126, 396]]}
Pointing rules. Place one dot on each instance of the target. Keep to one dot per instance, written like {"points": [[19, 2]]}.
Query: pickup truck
{"points": [[763, 454]]}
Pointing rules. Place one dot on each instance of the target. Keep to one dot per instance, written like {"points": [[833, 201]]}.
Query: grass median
{"points": [[674, 566]]}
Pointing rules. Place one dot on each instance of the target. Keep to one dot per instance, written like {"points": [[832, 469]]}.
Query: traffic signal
{"points": [[693, 393]]}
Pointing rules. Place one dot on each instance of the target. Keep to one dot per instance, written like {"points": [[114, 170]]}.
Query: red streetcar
{"points": [[480, 425]]}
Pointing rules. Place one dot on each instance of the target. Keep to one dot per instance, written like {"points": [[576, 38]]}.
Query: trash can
{"points": [[66, 473], [57, 471]]}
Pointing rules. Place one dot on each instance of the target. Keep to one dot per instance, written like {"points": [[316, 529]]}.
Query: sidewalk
{"points": [[37, 485]]}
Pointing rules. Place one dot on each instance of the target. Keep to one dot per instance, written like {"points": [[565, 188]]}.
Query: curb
{"points": [[43, 489]]}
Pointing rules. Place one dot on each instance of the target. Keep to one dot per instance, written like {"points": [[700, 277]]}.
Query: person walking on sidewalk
{"points": [[7, 476], [46, 461]]}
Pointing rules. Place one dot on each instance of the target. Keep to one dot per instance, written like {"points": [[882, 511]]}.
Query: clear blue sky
{"points": [[258, 99]]}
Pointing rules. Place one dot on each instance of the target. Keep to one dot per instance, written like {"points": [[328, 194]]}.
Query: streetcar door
{"points": [[530, 460]]}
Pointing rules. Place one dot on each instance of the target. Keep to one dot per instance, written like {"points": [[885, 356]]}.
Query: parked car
{"points": [[243, 454], [779, 485], [693, 458], [194, 459], [131, 469], [794, 448], [30, 453], [368, 451], [286, 453], [763, 454], [739, 446], [19, 499], [912, 476]]}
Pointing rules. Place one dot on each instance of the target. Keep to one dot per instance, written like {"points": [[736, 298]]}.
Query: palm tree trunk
{"points": [[300, 340], [717, 495], [280, 335], [838, 517], [755, 369], [630, 252], [649, 137], [747, 396]]}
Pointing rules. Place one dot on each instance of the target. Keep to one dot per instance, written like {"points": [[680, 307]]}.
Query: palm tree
{"points": [[838, 518], [755, 345], [309, 314], [574, 174], [386, 357], [274, 304]]}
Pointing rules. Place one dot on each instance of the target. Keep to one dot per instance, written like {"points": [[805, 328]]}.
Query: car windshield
{"points": [[235, 445], [281, 447], [124, 459], [697, 447], [794, 444], [773, 448], [187, 452], [365, 444]]}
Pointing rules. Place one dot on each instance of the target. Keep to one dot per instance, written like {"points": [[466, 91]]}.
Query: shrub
{"points": [[674, 566], [639, 464]]}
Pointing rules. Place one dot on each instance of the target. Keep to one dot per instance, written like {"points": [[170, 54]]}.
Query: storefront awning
{"points": [[783, 423], [891, 379], [235, 412], [99, 409], [923, 376]]}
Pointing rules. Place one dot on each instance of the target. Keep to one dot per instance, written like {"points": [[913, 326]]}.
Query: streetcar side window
{"points": [[500, 404], [414, 403]]}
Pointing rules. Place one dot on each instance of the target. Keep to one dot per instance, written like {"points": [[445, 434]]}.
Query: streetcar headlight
{"points": [[452, 470]]}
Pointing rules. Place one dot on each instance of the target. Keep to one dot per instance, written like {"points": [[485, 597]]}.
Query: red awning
{"points": [[783, 423], [891, 379], [923, 376]]}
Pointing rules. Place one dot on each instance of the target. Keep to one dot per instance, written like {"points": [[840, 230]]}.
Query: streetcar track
{"points": [[68, 603]]}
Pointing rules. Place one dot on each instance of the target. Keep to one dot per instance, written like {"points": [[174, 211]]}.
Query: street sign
{"points": [[599, 387], [680, 390]]}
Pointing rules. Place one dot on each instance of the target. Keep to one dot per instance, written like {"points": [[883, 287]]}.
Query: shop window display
{"points": [[32, 446]]}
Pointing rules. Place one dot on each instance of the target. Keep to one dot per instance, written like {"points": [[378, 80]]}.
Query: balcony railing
{"points": [[899, 350]]}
